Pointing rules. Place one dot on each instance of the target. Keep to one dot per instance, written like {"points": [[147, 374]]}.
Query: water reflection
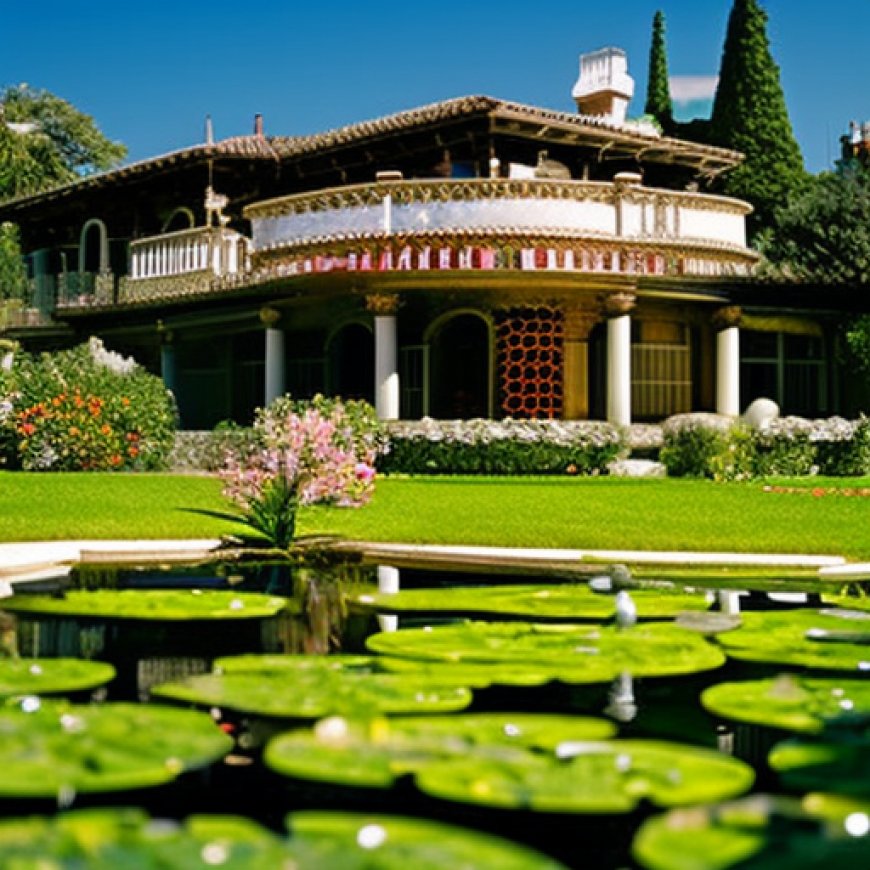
{"points": [[149, 652]]}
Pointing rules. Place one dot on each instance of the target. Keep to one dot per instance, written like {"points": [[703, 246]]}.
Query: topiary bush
{"points": [[500, 447], [86, 409]]}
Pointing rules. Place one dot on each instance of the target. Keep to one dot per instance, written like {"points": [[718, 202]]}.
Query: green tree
{"points": [[822, 235], [44, 142], [658, 90], [65, 141], [750, 115], [13, 278]]}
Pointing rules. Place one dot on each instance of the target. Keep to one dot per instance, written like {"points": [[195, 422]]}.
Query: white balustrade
{"points": [[215, 249], [598, 209]]}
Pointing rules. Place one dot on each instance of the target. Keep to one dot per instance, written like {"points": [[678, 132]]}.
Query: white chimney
{"points": [[604, 87]]}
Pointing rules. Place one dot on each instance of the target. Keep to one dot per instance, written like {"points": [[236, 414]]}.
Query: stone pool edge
{"points": [[31, 561]]}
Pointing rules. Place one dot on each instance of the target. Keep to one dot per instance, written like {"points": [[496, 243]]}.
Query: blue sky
{"points": [[149, 71]]}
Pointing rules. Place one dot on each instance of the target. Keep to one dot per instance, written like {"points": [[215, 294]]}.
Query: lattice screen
{"points": [[529, 361]]}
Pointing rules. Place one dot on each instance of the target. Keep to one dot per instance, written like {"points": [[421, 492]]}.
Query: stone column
{"points": [[274, 366], [575, 366], [726, 321], [617, 308], [384, 308]]}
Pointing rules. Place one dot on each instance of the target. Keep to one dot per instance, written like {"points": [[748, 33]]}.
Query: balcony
{"points": [[184, 263], [577, 226]]}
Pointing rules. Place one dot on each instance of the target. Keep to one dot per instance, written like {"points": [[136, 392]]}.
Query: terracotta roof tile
{"points": [[256, 147]]}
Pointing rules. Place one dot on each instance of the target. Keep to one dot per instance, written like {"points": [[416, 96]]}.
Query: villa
{"points": [[475, 257]]}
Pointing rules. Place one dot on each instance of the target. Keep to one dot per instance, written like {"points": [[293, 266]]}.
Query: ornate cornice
{"points": [[727, 317], [618, 304], [382, 304], [516, 237], [269, 316], [474, 189]]}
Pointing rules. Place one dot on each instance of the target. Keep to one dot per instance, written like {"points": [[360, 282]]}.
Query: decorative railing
{"points": [[78, 289], [621, 210], [216, 250]]}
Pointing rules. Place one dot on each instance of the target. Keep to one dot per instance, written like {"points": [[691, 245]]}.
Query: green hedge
{"points": [[709, 445], [500, 447]]}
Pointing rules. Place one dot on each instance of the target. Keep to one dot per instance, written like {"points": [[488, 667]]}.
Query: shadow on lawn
{"points": [[217, 515]]}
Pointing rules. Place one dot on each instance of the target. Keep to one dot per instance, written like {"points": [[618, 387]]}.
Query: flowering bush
{"points": [[501, 447], [83, 409], [307, 453]]}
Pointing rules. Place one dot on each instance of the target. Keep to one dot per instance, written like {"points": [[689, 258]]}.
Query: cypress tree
{"points": [[658, 91], [750, 115]]}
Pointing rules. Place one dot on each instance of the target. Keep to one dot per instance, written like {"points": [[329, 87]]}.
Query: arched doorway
{"points": [[93, 247], [350, 355], [460, 367]]}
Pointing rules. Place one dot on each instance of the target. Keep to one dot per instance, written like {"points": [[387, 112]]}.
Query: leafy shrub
{"points": [[500, 447], [709, 445], [691, 441], [206, 450], [846, 451], [83, 409], [784, 449]]}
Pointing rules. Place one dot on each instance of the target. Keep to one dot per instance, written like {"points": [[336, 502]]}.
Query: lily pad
{"points": [[155, 604], [807, 638], [376, 752], [848, 602], [566, 602], [345, 841], [51, 676], [50, 748], [591, 777], [840, 765], [309, 687], [473, 675], [111, 838], [795, 703], [757, 833], [570, 653]]}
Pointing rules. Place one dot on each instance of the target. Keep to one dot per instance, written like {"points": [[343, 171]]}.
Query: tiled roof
{"points": [[281, 148]]}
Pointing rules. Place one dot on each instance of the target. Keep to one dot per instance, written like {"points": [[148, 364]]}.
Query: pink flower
{"points": [[363, 472]]}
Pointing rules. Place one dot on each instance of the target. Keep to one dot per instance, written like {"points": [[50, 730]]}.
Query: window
{"points": [[790, 369]]}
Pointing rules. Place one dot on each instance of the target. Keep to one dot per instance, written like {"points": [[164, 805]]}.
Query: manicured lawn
{"points": [[536, 512], [56, 506]]}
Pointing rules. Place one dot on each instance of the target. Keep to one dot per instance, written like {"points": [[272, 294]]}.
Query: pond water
{"points": [[566, 716]]}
